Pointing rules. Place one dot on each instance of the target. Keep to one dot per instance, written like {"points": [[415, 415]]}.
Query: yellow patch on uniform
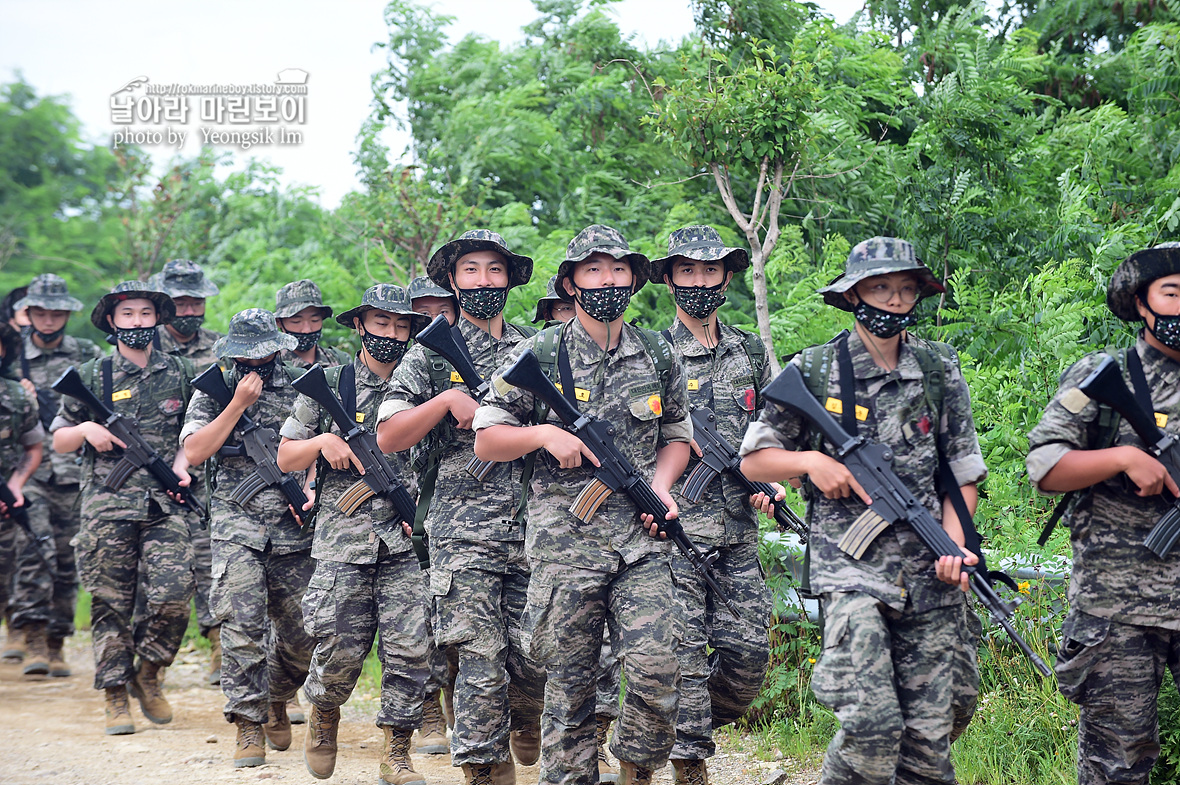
{"points": [[1074, 400], [694, 385], [656, 404], [836, 406], [581, 395], [501, 386], [121, 395], [360, 416], [455, 377], [1161, 419]]}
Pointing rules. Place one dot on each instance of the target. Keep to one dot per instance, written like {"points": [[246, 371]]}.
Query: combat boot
{"points": [[690, 772], [432, 736], [278, 726], [605, 772], [57, 661], [250, 751], [525, 745], [477, 774], [214, 636], [319, 744], [504, 773], [118, 710], [295, 711], [14, 646], [36, 653], [146, 689], [396, 768], [633, 774]]}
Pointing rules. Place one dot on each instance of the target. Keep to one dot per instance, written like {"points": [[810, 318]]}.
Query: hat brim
{"points": [[640, 268], [61, 303], [228, 346], [417, 320], [205, 290], [1137, 271], [736, 260], [165, 308], [833, 293], [442, 262], [289, 310], [545, 304]]}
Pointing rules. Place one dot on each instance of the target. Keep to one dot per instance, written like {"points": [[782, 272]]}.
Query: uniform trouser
{"points": [[8, 544], [568, 607], [111, 554], [253, 590], [441, 674], [609, 669], [717, 688], [42, 594], [1114, 671], [479, 591], [202, 566], [348, 605], [890, 679]]}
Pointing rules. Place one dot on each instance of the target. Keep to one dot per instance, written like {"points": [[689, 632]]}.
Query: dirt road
{"points": [[52, 732]]}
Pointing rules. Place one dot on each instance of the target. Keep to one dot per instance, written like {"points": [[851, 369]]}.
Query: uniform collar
{"points": [[863, 366], [156, 361], [33, 351], [689, 346], [590, 353], [364, 375]]}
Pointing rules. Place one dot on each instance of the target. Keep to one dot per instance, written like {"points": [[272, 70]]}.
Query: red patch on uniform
{"points": [[924, 424], [749, 399]]}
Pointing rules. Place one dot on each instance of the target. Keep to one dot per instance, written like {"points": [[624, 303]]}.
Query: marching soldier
{"points": [[430, 299], [300, 312], [551, 308]]}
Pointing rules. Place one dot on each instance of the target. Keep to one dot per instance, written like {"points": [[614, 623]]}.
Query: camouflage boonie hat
{"points": [[422, 286], [878, 256], [389, 298], [442, 263], [182, 278], [703, 244], [132, 290], [601, 239], [50, 292], [253, 334], [1137, 271], [545, 304], [296, 296]]}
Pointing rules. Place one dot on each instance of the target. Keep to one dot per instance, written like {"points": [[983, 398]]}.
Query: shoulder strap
{"points": [[107, 382], [293, 372], [527, 330], [346, 388], [440, 370], [660, 350]]}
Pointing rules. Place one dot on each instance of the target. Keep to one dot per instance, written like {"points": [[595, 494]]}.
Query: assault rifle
{"points": [[380, 478], [720, 456], [138, 454], [1105, 385], [615, 473], [20, 516], [892, 500], [447, 342], [260, 445]]}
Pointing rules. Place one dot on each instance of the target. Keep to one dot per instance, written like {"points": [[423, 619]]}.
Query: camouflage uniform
{"points": [[182, 278], [261, 557], [137, 521], [290, 300], [609, 572], [40, 595], [366, 581], [1123, 626], [20, 427], [478, 571], [891, 627]]}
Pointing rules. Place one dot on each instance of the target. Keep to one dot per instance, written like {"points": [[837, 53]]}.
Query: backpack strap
{"points": [[107, 382], [756, 354]]}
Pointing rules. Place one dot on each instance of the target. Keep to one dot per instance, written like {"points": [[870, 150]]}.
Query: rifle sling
{"points": [[567, 374], [847, 387], [108, 383], [347, 389], [1139, 381]]}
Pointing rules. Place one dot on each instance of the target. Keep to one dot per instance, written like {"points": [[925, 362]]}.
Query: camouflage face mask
{"points": [[188, 325], [136, 338], [606, 303], [1166, 329], [265, 370], [483, 303], [883, 324], [384, 349], [26, 330], [699, 301], [49, 337], [307, 341]]}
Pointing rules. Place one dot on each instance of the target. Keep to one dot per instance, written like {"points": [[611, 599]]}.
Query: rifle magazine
{"points": [[696, 482], [479, 469], [861, 533], [589, 500], [247, 489], [1164, 534], [357, 494], [119, 474]]}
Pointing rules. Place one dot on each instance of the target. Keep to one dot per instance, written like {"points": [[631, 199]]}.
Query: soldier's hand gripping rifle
{"points": [[718, 456], [447, 342], [380, 478], [20, 516], [260, 445], [138, 454], [1105, 385], [893, 502], [615, 473]]}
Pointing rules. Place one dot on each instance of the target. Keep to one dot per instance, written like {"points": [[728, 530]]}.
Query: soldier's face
{"points": [[561, 311], [1163, 295], [894, 292], [133, 313], [189, 306], [694, 272], [480, 270], [47, 321], [308, 320], [386, 325], [599, 270], [431, 307]]}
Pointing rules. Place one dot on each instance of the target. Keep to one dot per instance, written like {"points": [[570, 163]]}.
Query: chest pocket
{"points": [[171, 407], [745, 397], [647, 406]]}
